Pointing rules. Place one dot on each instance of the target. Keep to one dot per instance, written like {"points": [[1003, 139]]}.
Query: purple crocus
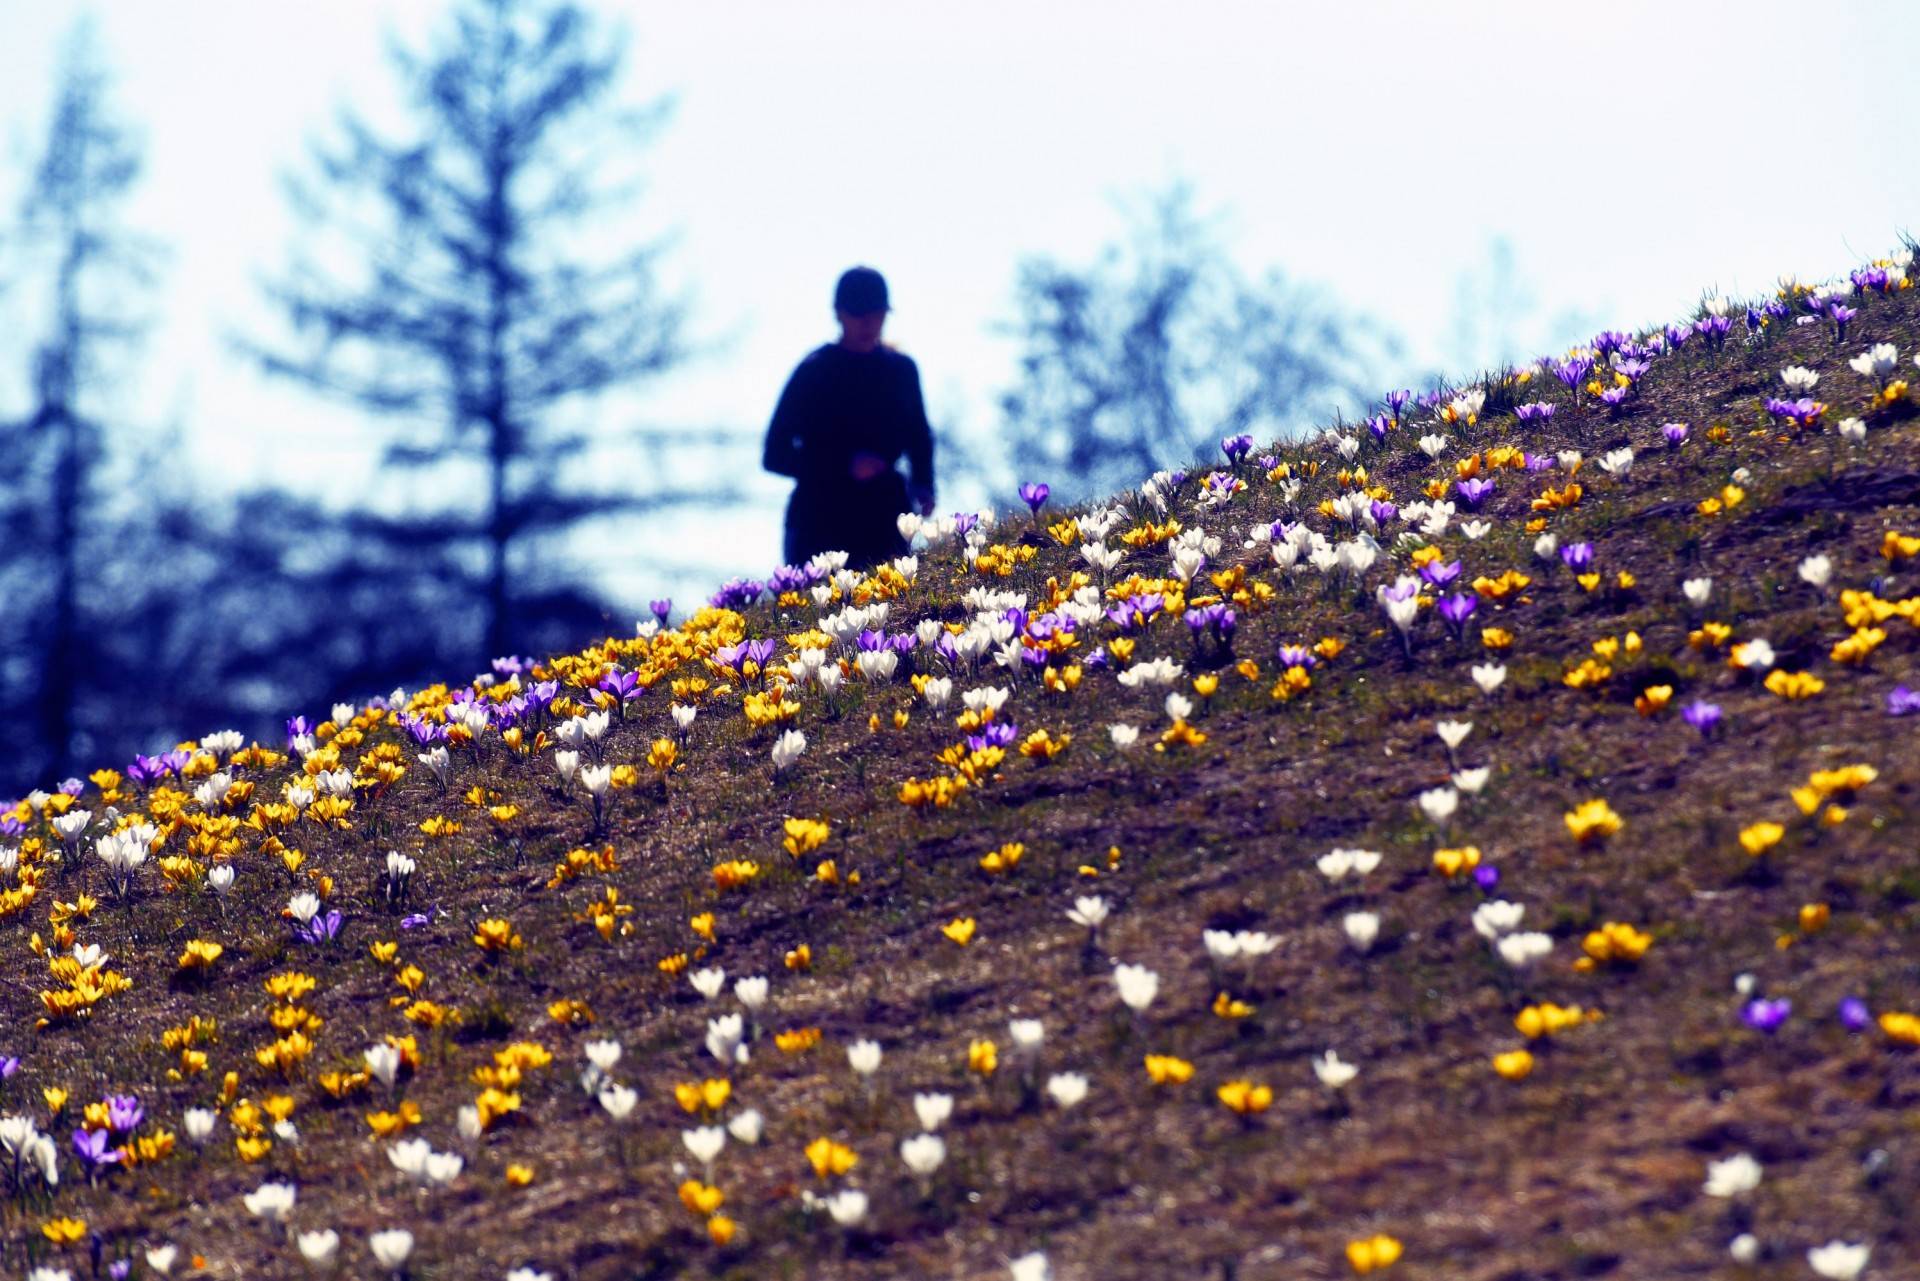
{"points": [[1764, 1014], [1578, 557], [1841, 314], [1441, 573], [8, 1066], [323, 928], [1538, 411], [1854, 1014], [1614, 397], [1237, 447], [661, 608], [1714, 329], [1675, 433], [1702, 715], [622, 685], [91, 1147], [1902, 701], [415, 921], [1474, 491], [1378, 426], [1486, 876], [124, 1112], [1034, 494], [1458, 608], [1382, 511], [1572, 373], [1676, 335], [737, 593], [1397, 401]]}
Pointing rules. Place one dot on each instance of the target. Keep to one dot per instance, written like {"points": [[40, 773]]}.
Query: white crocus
{"points": [[932, 1110], [1489, 676], [1735, 1176], [709, 982], [923, 1153], [787, 749], [1137, 986], [1453, 733], [318, 1248], [1089, 911], [1497, 917], [1362, 928], [1696, 590], [618, 1100], [1439, 804], [1333, 1071], [847, 1207], [1521, 950], [391, 1248], [746, 1126], [1839, 1261], [1799, 378], [1816, 570], [864, 1057], [271, 1201], [1067, 1088], [1123, 736], [1030, 1267]]}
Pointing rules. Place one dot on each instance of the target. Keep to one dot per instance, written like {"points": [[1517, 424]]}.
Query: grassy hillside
{"points": [[1595, 880]]}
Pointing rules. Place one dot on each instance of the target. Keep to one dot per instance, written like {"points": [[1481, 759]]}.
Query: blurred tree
{"points": [[1162, 348], [86, 268], [1497, 323], [456, 291]]}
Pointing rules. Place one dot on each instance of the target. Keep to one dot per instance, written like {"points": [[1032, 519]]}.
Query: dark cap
{"points": [[861, 291]]}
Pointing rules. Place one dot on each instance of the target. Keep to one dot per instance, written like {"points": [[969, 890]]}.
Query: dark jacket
{"points": [[839, 403]]}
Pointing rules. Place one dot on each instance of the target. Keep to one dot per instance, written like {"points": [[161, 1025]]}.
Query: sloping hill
{"points": [[1535, 749]]}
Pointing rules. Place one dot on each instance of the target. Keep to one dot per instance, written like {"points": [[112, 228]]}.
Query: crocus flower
{"points": [[1902, 701], [1034, 495], [1735, 1176], [1764, 1014], [1577, 556], [1237, 448], [1702, 715], [1854, 1014], [1474, 491], [1675, 434], [91, 1147], [1839, 1261]]}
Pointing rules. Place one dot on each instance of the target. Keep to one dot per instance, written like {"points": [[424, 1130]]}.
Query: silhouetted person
{"points": [[849, 413]]}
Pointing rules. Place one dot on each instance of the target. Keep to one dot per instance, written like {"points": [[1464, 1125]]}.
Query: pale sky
{"points": [[1633, 154]]}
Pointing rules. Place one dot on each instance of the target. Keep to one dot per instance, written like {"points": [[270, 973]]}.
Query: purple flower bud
{"points": [[124, 1112], [1537, 411], [1458, 608], [1702, 715], [1237, 447], [1766, 1015], [1382, 511], [1854, 1014], [1473, 492], [1577, 556], [1676, 434], [1034, 494], [1397, 401], [1486, 876], [1902, 701], [661, 609]]}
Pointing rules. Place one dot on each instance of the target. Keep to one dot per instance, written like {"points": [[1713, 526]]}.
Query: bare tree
{"points": [[1162, 347], [457, 292], [86, 267]]}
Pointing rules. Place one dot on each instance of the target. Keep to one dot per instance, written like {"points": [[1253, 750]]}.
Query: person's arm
{"points": [[787, 434], [793, 446], [919, 444]]}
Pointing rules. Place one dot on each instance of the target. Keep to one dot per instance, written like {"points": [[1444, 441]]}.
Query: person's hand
{"points": [[868, 466]]}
